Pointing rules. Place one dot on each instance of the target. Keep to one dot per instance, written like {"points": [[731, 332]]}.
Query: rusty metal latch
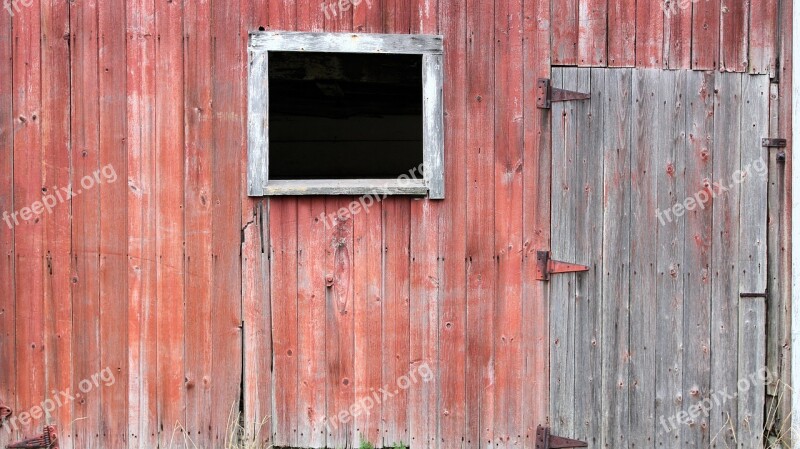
{"points": [[546, 441], [773, 143], [48, 440], [545, 266], [547, 94]]}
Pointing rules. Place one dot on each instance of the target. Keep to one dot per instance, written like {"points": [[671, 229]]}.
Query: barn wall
{"points": [[185, 288]]}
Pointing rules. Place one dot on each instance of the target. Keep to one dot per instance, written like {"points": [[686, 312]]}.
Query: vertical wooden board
{"points": [[649, 34], [423, 347], [668, 135], [311, 16], [57, 240], [677, 35], [725, 255], [199, 214], [373, 315], [588, 244], [564, 28], [752, 359], [367, 17], [282, 15], [536, 222], [622, 33], [86, 215], [169, 198], [452, 317], [508, 138], [27, 189], [705, 34], [7, 294], [480, 261], [229, 75], [425, 17], [312, 228], [733, 35], [142, 344], [593, 33], [283, 275], [113, 232], [762, 35], [562, 287], [616, 258], [340, 323], [753, 256], [697, 255], [753, 179], [396, 319], [644, 248]]}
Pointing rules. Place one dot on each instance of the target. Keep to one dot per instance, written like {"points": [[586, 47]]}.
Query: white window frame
{"points": [[428, 46]]}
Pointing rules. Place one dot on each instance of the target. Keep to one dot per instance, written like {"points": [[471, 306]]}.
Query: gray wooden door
{"points": [[659, 184]]}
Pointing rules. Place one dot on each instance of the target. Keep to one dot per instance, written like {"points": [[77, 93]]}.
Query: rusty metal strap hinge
{"points": [[545, 266], [546, 441], [547, 94], [48, 440]]}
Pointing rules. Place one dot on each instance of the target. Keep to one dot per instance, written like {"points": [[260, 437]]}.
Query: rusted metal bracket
{"points": [[546, 441], [773, 142], [545, 266], [547, 94], [5, 413], [48, 440]]}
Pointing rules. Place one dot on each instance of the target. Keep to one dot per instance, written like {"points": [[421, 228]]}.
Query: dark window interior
{"points": [[344, 115]]}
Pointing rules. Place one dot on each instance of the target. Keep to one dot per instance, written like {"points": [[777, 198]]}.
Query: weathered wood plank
{"points": [[705, 34], [7, 294], [257, 123], [346, 42], [311, 322], [733, 35], [58, 224], [587, 193], [762, 37], [592, 33], [616, 258], [113, 156], [452, 317], [697, 255], [564, 32], [536, 222], [644, 249], [199, 219], [283, 276], [480, 261], [725, 255], [229, 91], [142, 335], [622, 33], [86, 216], [669, 137], [562, 287], [346, 187], [677, 35], [508, 244], [649, 34], [752, 359], [433, 125]]}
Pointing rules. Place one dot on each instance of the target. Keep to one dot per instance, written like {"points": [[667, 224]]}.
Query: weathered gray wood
{"points": [[616, 260], [375, 187], [697, 256], [257, 124], [669, 145], [346, 42], [644, 232], [433, 124], [753, 219], [753, 256], [588, 196], [562, 293], [725, 258]]}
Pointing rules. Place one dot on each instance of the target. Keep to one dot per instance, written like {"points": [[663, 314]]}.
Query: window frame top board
{"points": [[430, 47]]}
